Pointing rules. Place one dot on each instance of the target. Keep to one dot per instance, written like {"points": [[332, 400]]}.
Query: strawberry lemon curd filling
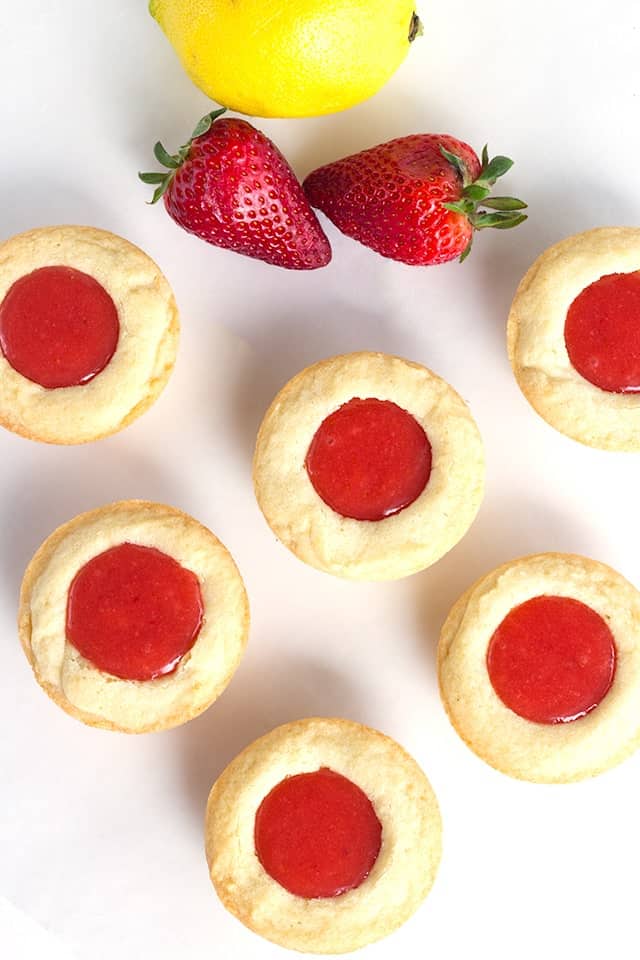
{"points": [[602, 333], [317, 834], [58, 327], [134, 612], [369, 460], [552, 660]]}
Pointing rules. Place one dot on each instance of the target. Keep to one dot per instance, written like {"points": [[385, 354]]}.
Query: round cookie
{"points": [[339, 812], [574, 337], [539, 668], [88, 333], [133, 617], [368, 466]]}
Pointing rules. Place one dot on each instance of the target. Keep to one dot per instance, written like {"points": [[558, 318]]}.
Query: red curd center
{"points": [[552, 660], [317, 834], [602, 333], [134, 612], [369, 460], [58, 327]]}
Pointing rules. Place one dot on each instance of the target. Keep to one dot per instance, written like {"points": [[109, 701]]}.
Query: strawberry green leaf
{"points": [[203, 126], [476, 191], [504, 203], [174, 161], [467, 250], [465, 207], [483, 220], [165, 158], [458, 163], [495, 168], [513, 222], [161, 179], [502, 212], [152, 177], [159, 192]]}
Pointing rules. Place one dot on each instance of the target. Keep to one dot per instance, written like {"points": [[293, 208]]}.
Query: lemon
{"points": [[289, 58]]}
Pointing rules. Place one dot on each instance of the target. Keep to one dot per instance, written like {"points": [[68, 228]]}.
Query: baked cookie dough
{"points": [[539, 668], [88, 333], [339, 813], [574, 337], [368, 466], [133, 617]]}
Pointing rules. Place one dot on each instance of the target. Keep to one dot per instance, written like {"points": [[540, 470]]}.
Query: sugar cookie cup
{"points": [[539, 668], [336, 779], [574, 337], [133, 617], [368, 466], [88, 334]]}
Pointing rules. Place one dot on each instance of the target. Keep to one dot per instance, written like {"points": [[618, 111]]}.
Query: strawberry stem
{"points": [[476, 195], [173, 161]]}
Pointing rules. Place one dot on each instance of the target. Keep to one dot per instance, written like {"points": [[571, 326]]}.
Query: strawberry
{"points": [[415, 199], [233, 188]]}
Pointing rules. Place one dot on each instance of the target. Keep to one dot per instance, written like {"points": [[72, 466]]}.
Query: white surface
{"points": [[100, 834]]}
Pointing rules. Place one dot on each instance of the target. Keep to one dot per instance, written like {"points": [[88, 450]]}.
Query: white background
{"points": [[100, 834]]}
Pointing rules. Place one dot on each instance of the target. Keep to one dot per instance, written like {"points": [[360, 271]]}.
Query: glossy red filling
{"points": [[369, 460], [602, 333], [552, 659], [134, 612], [58, 327], [317, 834]]}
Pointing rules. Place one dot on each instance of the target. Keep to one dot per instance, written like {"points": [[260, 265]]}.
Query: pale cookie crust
{"points": [[100, 699], [404, 803], [144, 356], [543, 753], [536, 344], [360, 550]]}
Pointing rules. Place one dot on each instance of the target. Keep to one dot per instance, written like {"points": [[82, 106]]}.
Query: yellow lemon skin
{"points": [[288, 58]]}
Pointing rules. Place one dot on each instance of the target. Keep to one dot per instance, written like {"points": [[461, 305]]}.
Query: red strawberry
{"points": [[233, 188], [415, 199]]}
